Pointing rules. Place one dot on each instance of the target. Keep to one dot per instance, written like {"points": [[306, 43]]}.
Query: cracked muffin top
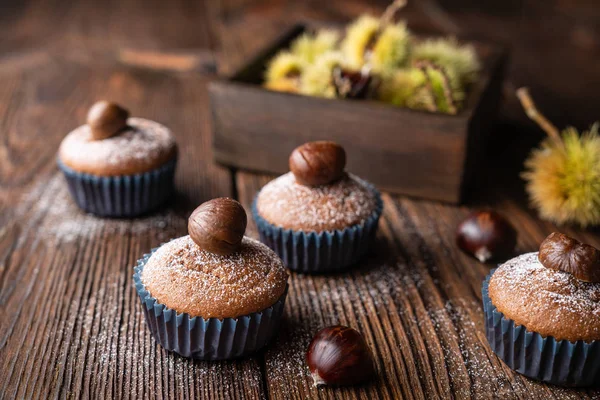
{"points": [[288, 204], [191, 280]]}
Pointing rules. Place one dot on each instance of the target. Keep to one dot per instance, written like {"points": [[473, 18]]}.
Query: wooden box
{"points": [[405, 151]]}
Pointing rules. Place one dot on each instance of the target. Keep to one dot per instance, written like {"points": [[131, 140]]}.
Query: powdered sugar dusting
{"points": [[547, 301], [144, 144], [287, 204], [188, 279], [48, 211]]}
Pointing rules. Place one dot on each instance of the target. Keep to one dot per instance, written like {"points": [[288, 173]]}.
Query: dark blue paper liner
{"points": [[207, 339], [560, 362], [323, 252], [121, 196]]}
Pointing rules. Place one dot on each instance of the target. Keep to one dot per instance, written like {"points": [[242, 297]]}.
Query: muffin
{"points": [[214, 294], [118, 166], [318, 218], [542, 312]]}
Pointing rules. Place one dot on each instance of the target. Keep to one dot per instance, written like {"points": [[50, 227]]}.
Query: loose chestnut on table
{"points": [[339, 356], [318, 163], [487, 236], [563, 253], [218, 225]]}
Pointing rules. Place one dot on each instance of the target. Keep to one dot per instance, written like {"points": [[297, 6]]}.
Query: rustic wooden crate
{"points": [[412, 152]]}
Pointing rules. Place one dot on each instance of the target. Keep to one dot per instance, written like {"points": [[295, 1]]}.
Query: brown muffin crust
{"points": [[285, 203], [143, 146], [546, 301], [190, 280]]}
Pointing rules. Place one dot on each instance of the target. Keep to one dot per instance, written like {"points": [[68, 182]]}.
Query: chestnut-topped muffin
{"points": [[186, 278], [543, 312], [116, 165], [290, 205], [226, 290], [318, 217]]}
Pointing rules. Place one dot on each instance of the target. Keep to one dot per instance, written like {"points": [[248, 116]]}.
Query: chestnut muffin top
{"points": [[188, 279], [290, 205], [546, 301], [142, 146]]}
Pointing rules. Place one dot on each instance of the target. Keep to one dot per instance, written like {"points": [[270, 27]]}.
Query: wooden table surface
{"points": [[70, 322]]}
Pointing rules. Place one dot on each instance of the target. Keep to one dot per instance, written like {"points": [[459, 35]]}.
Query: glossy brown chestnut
{"points": [[218, 225], [486, 235], [563, 253], [106, 119], [318, 163], [339, 356]]}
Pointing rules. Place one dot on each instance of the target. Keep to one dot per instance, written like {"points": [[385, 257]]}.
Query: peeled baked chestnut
{"points": [[318, 163], [218, 225], [106, 119], [486, 235], [563, 253], [339, 356]]}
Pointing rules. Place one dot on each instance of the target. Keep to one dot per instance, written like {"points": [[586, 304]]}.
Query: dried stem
{"points": [[533, 113], [385, 19], [390, 11]]}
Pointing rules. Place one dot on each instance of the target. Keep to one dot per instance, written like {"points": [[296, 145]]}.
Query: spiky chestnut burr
{"points": [[563, 174], [331, 77], [309, 46], [460, 61], [377, 42], [284, 72]]}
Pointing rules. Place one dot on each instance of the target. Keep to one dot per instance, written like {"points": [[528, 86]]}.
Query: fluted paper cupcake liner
{"points": [[323, 252], [121, 196], [207, 339], [545, 359]]}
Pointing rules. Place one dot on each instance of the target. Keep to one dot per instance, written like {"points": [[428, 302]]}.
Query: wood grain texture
{"points": [[70, 322]]}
